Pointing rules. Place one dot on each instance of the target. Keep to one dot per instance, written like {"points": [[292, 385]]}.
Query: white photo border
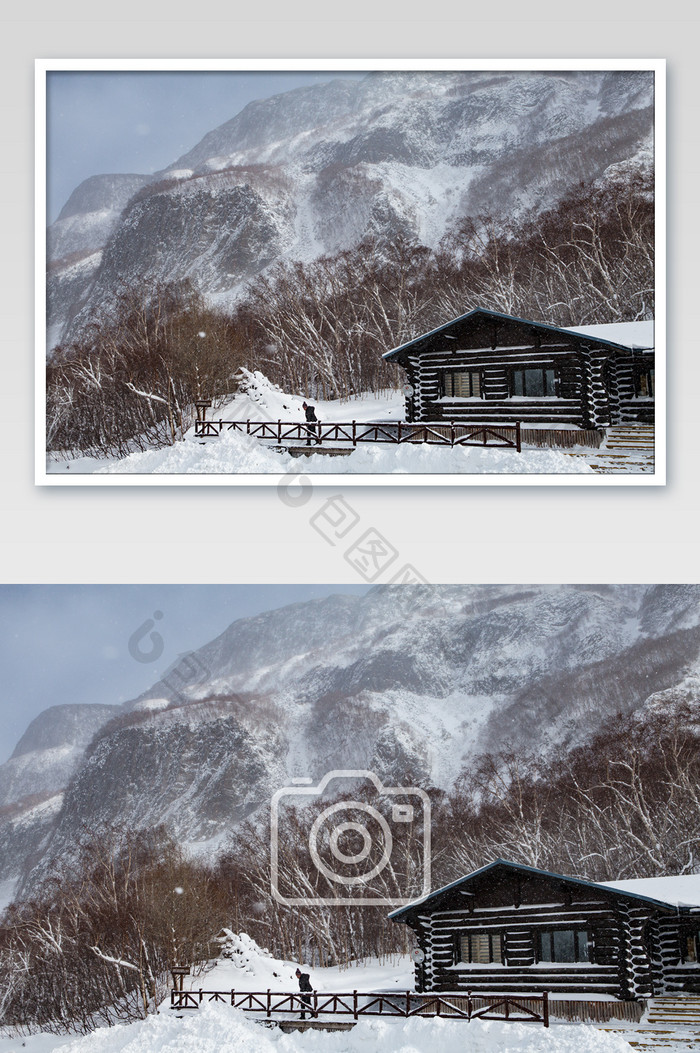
{"points": [[45, 66]]}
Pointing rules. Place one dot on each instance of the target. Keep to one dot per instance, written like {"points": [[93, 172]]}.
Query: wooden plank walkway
{"points": [[311, 451], [314, 1025]]}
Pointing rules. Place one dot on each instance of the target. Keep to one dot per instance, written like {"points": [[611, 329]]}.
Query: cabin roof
{"points": [[614, 888], [682, 890], [639, 337]]}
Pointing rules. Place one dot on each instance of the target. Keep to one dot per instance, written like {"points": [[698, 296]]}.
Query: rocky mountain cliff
{"points": [[315, 170], [411, 682]]}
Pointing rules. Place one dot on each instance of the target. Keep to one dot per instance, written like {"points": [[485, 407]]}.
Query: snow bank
{"points": [[217, 1028], [259, 399], [234, 453], [244, 966]]}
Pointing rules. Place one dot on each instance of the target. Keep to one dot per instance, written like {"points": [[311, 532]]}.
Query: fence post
{"points": [[452, 433], [269, 1011], [201, 995], [279, 432], [233, 997], [354, 433], [354, 1004], [470, 1006], [315, 1003], [517, 446], [545, 1008], [399, 435], [408, 1004]]}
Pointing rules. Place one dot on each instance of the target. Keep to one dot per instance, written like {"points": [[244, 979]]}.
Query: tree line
{"points": [[625, 805], [94, 945], [320, 328]]}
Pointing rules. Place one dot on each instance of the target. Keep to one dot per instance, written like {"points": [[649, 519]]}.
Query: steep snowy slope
{"points": [[50, 750], [318, 169]]}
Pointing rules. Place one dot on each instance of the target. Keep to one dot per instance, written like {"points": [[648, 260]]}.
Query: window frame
{"points": [[534, 369], [648, 374], [550, 932], [688, 935], [467, 934], [471, 373]]}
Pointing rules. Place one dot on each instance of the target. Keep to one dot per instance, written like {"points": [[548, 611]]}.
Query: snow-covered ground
{"points": [[216, 1028], [233, 453]]}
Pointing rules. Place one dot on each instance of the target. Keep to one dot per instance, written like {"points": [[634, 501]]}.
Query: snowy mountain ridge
{"points": [[411, 682], [316, 170]]}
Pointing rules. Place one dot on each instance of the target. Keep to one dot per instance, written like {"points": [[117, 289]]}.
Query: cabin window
{"points": [[563, 945], [690, 947], [482, 948], [644, 383], [533, 383], [462, 385]]}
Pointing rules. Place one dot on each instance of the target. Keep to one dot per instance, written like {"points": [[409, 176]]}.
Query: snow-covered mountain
{"points": [[412, 682], [315, 170], [50, 750]]}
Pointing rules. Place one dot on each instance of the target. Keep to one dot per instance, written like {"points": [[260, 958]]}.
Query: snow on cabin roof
{"points": [[638, 336], [644, 888], [681, 891]]}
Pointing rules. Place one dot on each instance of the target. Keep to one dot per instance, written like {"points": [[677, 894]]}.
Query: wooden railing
{"points": [[354, 432], [361, 1004]]}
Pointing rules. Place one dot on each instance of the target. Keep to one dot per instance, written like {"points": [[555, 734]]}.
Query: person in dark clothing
{"points": [[305, 988], [312, 423]]}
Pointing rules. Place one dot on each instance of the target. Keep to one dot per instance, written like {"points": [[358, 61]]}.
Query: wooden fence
{"points": [[354, 432], [360, 1004], [575, 1010]]}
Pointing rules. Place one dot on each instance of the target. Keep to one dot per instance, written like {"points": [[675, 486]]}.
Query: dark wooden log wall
{"points": [[635, 962], [595, 388], [425, 371], [596, 409], [519, 927], [674, 974]]}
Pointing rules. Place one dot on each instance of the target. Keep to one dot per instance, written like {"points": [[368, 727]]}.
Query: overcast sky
{"points": [[70, 643], [142, 121]]}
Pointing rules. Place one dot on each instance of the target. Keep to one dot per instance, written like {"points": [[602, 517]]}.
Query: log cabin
{"points": [[488, 367], [512, 929]]}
